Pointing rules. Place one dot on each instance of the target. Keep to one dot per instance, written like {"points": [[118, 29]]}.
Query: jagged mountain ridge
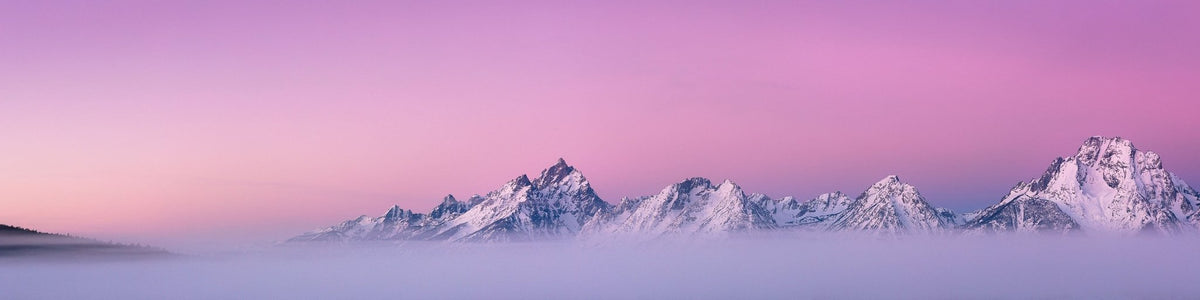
{"points": [[396, 224], [553, 206], [692, 208], [892, 207], [1108, 186], [548, 208]]}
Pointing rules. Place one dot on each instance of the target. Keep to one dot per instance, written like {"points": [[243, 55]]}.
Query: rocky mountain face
{"points": [[1107, 187], [1021, 213], [514, 212], [396, 224], [692, 208], [695, 207], [814, 213], [891, 207], [553, 206]]}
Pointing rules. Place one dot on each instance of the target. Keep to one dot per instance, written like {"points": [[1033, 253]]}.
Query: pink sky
{"points": [[215, 121]]}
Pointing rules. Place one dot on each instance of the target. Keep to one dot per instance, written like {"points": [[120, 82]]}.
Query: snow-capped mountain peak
{"points": [[451, 207], [394, 212], [816, 213], [569, 194], [1108, 186], [553, 206], [556, 173], [829, 202], [888, 180], [891, 206], [693, 207], [1098, 148], [513, 186]]}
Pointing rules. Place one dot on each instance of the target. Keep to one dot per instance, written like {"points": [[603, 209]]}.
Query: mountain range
{"points": [[1108, 187]]}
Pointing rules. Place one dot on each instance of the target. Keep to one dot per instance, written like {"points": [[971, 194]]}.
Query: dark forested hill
{"points": [[23, 242]]}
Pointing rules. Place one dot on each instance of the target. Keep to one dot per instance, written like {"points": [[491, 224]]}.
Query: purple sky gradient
{"points": [[153, 120]]}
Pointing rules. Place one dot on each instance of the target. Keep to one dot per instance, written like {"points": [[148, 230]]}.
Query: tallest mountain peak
{"points": [[888, 181], [561, 164], [1104, 139], [559, 171], [1098, 148], [1096, 143], [1108, 186]]}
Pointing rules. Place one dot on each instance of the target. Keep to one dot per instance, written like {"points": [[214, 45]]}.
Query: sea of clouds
{"points": [[820, 267]]}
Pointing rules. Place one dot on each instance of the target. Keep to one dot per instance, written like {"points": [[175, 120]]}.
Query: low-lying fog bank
{"points": [[991, 267]]}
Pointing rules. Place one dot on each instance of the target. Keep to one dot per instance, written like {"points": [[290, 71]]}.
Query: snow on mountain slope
{"points": [[1108, 187], [766, 203], [820, 211], [396, 224], [813, 213], [1021, 213], [569, 194], [510, 213], [892, 207], [355, 229], [1190, 199], [553, 206], [692, 208]]}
